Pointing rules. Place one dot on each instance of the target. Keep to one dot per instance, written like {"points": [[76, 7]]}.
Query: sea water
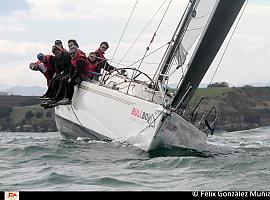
{"points": [[47, 162]]}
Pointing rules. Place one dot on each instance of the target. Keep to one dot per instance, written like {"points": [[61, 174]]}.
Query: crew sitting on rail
{"points": [[81, 69]]}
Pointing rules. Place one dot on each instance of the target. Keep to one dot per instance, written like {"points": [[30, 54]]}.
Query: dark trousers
{"points": [[70, 87], [62, 87], [53, 87], [57, 89]]}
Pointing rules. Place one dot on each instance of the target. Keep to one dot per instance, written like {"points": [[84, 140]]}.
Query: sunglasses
{"points": [[72, 53]]}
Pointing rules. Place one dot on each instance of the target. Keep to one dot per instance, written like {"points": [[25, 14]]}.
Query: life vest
{"points": [[101, 54], [50, 68], [93, 65], [80, 51], [101, 60], [87, 69], [48, 64]]}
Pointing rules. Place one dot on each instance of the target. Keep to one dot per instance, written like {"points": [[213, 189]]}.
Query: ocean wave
{"points": [[114, 182]]}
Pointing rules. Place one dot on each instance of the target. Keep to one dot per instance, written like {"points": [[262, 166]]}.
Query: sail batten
{"points": [[215, 33]]}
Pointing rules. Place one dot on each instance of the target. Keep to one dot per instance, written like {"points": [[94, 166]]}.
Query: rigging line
{"points": [[141, 33], [149, 54], [126, 65], [155, 119], [160, 22], [183, 67], [124, 29], [155, 34], [75, 115], [202, 16], [135, 73], [156, 75], [229, 42], [74, 111], [131, 61], [194, 29], [80, 121]]}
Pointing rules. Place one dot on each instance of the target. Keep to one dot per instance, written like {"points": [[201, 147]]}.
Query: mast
{"points": [[176, 39], [213, 36]]}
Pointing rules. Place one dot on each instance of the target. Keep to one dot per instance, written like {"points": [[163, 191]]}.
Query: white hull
{"points": [[102, 113]]}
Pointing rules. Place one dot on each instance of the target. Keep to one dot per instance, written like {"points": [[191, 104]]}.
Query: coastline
{"points": [[239, 109]]}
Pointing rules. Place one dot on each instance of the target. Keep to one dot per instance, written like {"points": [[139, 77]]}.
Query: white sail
{"points": [[197, 14], [200, 17], [204, 26]]}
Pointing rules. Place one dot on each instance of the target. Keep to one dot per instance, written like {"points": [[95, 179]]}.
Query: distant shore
{"points": [[24, 114], [239, 109]]}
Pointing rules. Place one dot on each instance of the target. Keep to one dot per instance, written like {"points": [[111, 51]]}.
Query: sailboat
{"points": [[141, 110]]}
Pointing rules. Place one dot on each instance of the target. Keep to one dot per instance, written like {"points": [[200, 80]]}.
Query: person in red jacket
{"points": [[45, 65], [93, 60], [72, 42], [102, 61]]}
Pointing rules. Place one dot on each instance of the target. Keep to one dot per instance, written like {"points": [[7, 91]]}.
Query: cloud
{"points": [[19, 49], [8, 7], [28, 27], [15, 57], [89, 10], [70, 9], [7, 27]]}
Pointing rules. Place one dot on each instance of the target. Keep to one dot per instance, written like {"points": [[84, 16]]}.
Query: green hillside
{"points": [[27, 118], [18, 113], [210, 92], [240, 108]]}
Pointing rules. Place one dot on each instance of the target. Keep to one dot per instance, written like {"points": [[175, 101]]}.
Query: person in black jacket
{"points": [[80, 65], [62, 68]]}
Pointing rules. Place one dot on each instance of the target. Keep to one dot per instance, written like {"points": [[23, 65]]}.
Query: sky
{"points": [[28, 27]]}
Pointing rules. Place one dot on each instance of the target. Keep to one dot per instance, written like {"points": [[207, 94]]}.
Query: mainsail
{"points": [[206, 22], [215, 33], [189, 29]]}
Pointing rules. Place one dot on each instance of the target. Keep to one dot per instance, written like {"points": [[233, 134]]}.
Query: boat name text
{"points": [[148, 117], [169, 126]]}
